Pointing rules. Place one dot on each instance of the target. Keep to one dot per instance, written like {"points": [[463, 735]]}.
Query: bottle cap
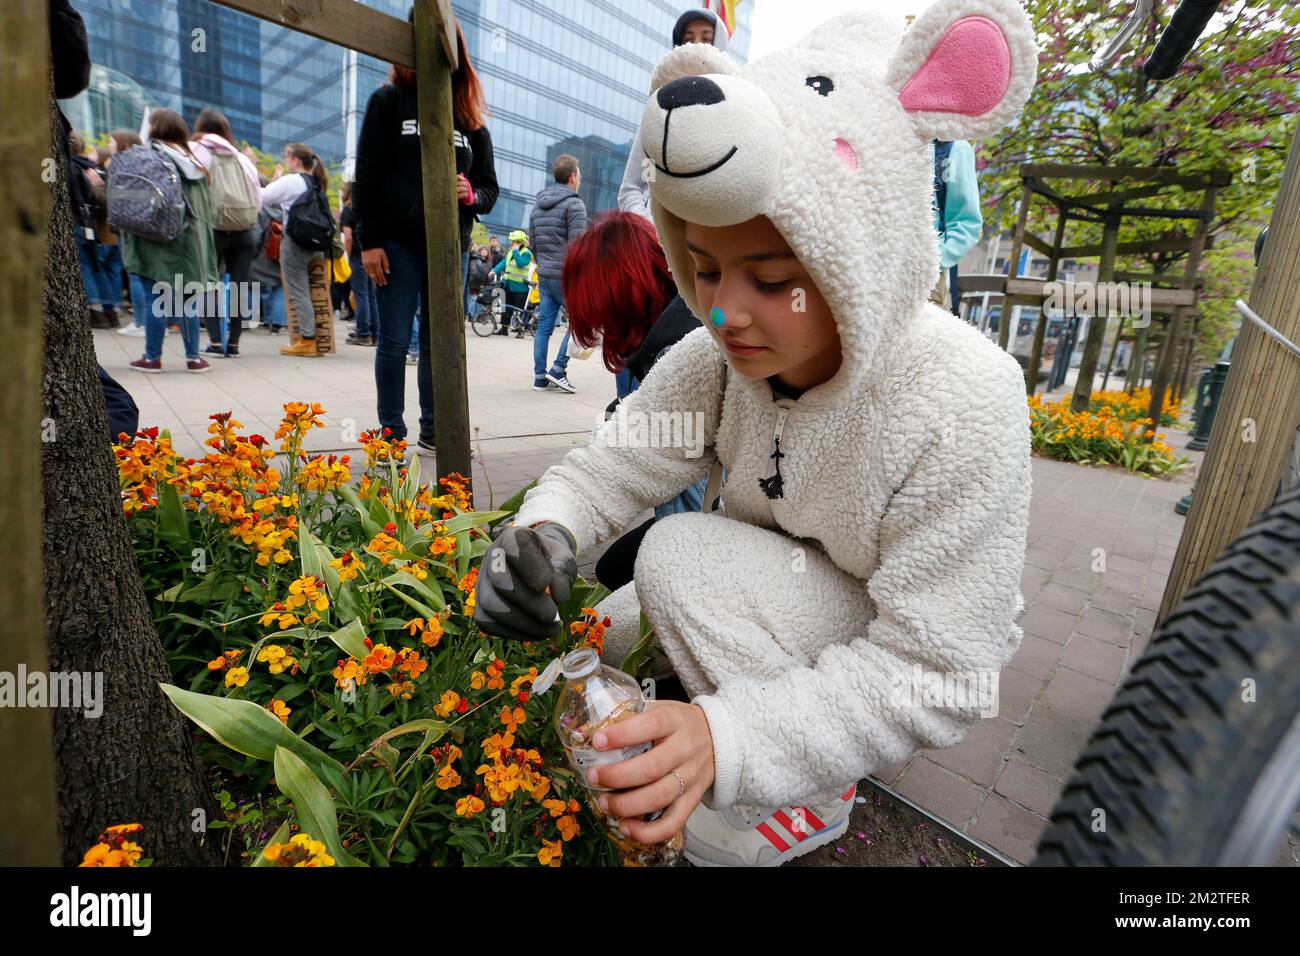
{"points": [[547, 677], [580, 663]]}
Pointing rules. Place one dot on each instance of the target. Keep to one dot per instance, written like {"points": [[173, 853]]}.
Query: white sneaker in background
{"points": [[135, 331]]}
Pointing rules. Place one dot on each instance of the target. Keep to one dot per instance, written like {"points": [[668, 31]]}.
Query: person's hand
{"points": [[682, 743], [462, 187], [375, 262], [93, 177], [526, 573], [279, 171]]}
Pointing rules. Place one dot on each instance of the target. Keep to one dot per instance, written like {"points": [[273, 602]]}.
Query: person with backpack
{"points": [[559, 216], [296, 193], [363, 290], [388, 199], [476, 277], [160, 202], [236, 199]]}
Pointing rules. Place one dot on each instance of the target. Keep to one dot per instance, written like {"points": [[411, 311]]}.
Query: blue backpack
{"points": [[145, 195]]}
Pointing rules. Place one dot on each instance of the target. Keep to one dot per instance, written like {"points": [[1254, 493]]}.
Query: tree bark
{"points": [[135, 763]]}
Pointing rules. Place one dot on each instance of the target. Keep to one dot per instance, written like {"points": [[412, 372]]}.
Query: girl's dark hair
{"points": [[311, 161], [168, 127], [124, 139], [468, 101], [625, 245], [214, 121]]}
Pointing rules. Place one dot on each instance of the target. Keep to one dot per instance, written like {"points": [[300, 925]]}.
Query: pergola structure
{"points": [[1173, 294]]}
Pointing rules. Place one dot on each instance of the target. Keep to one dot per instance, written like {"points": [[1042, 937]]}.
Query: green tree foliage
{"points": [[1231, 106]]}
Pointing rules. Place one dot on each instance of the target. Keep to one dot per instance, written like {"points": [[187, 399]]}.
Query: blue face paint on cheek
{"points": [[717, 317]]}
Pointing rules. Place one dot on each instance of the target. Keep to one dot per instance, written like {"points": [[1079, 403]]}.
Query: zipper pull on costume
{"points": [[773, 486]]}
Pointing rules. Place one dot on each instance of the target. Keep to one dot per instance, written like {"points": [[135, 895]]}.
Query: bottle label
{"points": [[584, 758]]}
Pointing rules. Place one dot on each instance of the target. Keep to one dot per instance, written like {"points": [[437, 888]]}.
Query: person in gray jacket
{"points": [[696, 25], [559, 216]]}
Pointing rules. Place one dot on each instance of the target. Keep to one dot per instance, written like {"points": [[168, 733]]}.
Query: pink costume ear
{"points": [[967, 72]]}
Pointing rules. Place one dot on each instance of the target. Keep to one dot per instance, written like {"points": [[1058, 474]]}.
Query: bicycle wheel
{"points": [[484, 322], [1196, 762]]}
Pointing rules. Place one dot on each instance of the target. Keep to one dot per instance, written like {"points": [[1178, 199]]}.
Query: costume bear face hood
{"points": [[830, 140]]}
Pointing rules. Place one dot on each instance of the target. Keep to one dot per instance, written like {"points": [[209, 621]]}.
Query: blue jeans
{"points": [[624, 383], [398, 301], [159, 309], [552, 300], [88, 257], [413, 346], [363, 290], [139, 299], [110, 275], [273, 307]]}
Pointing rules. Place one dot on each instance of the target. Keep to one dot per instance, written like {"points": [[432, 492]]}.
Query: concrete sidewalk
{"points": [[1083, 628]]}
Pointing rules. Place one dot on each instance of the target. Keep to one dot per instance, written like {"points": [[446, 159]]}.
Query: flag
{"points": [[725, 10]]}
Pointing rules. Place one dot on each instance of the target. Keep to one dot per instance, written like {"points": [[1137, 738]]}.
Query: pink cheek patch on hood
{"points": [[845, 153]]}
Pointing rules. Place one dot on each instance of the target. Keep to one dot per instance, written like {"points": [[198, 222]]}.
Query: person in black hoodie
{"points": [[388, 202]]}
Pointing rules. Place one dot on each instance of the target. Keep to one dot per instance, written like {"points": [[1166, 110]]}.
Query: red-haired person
{"points": [[388, 203], [634, 320]]}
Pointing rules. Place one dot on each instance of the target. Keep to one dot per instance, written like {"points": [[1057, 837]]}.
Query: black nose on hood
{"points": [[690, 91]]}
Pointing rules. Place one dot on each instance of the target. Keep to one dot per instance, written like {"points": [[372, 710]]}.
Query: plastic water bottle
{"points": [[595, 696]]}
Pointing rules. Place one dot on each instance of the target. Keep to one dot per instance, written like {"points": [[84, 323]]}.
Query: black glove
{"points": [[526, 573]]}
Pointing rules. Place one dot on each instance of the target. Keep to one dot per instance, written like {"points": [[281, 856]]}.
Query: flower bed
{"points": [[320, 631], [1113, 431]]}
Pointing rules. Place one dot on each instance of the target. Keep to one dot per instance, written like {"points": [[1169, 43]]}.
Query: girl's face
{"points": [[776, 322]]}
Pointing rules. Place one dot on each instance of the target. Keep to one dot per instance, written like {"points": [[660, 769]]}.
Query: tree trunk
{"points": [[135, 763]]}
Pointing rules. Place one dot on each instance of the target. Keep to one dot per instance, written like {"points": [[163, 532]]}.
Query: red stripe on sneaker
{"points": [[848, 794], [772, 837], [812, 818], [799, 833]]}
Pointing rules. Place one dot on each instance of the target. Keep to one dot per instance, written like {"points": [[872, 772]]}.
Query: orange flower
{"points": [[550, 853]]}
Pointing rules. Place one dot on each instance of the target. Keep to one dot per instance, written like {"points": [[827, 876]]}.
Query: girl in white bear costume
{"points": [[876, 447]]}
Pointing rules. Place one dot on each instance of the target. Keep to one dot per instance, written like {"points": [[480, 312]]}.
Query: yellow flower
{"points": [[468, 806], [447, 778], [448, 703], [476, 679], [568, 827], [278, 708], [237, 677], [550, 853]]}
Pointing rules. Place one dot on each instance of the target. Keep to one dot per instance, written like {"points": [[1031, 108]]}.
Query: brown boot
{"points": [[303, 348]]}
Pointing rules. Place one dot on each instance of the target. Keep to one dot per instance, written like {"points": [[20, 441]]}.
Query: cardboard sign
{"points": [[318, 276]]}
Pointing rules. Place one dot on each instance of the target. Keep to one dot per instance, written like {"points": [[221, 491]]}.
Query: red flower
{"points": [[523, 696], [462, 706], [390, 527], [369, 644]]}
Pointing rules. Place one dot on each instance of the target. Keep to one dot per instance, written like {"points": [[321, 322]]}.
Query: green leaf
{"points": [[311, 558], [279, 836], [313, 803], [368, 524], [415, 584], [351, 637], [471, 519], [173, 519], [243, 726]]}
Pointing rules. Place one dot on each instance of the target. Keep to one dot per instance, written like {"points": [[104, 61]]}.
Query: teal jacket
{"points": [[959, 222], [524, 257]]}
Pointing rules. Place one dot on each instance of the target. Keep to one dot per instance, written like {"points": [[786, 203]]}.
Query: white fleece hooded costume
{"points": [[899, 541]]}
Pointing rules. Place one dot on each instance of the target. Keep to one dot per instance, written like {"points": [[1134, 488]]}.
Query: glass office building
{"points": [[561, 76]]}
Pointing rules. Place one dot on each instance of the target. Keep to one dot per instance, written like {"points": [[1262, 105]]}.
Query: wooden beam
{"points": [[442, 242], [1260, 406], [345, 23], [1037, 244], [1153, 174], [1013, 265], [29, 831], [1033, 288], [1131, 248]]}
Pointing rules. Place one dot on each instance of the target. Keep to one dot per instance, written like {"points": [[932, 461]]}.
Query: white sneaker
{"points": [[753, 836], [561, 382], [136, 331]]}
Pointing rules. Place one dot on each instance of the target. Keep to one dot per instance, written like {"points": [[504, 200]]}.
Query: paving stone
{"points": [[1017, 691], [1029, 787], [1077, 695], [1105, 626], [1036, 656], [940, 791], [1009, 829], [1095, 658], [1061, 598], [979, 757], [1051, 740], [1048, 622]]}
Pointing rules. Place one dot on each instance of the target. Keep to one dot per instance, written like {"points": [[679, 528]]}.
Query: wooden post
{"points": [[1097, 324], [1110, 362], [1260, 407], [29, 834], [1036, 353], [1188, 352], [434, 64], [1009, 301], [1160, 379], [1137, 362]]}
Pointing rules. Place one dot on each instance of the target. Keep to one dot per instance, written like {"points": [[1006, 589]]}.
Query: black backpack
{"points": [[478, 272], [310, 222]]}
